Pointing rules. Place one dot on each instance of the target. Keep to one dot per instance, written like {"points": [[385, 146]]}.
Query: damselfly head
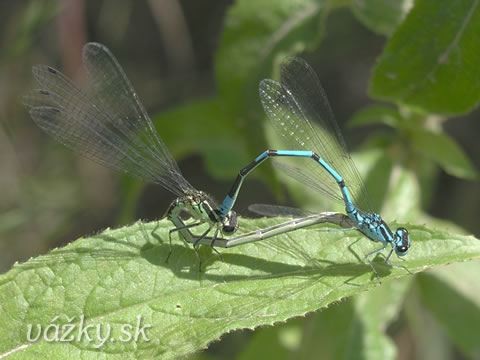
{"points": [[230, 224], [402, 241]]}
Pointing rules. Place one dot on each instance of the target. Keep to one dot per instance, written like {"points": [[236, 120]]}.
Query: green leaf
{"points": [[376, 114], [452, 294], [381, 16], [120, 277], [431, 61], [445, 152]]}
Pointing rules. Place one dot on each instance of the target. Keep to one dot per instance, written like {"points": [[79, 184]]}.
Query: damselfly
{"points": [[295, 107], [108, 124]]}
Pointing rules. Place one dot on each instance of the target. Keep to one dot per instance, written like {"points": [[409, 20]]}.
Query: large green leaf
{"points": [[120, 277], [431, 61]]}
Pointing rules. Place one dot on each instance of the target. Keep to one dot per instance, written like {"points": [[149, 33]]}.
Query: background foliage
{"points": [[402, 75]]}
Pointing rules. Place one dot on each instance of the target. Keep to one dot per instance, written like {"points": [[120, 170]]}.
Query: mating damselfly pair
{"points": [[108, 124]]}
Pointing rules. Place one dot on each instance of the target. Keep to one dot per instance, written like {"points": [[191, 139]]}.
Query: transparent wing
{"points": [[297, 172], [299, 110], [107, 123], [275, 210]]}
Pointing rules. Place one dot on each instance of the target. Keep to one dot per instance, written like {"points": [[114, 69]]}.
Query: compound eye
{"points": [[231, 223], [404, 238], [228, 228], [402, 249]]}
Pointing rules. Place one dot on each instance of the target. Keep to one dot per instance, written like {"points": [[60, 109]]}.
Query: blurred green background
{"points": [[195, 66]]}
